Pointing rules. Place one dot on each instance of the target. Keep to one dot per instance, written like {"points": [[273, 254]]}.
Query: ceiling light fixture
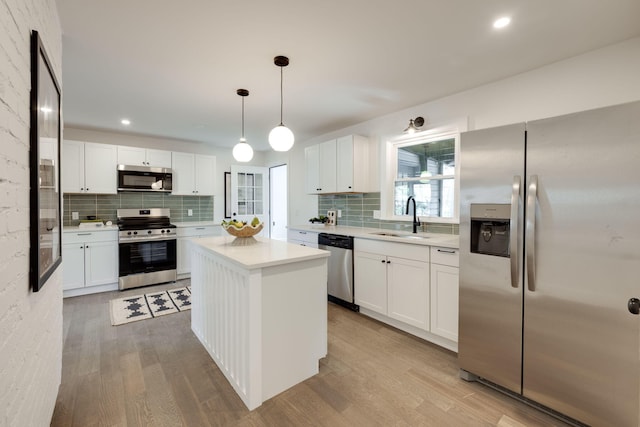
{"points": [[242, 151], [281, 138], [125, 122], [501, 22], [414, 125]]}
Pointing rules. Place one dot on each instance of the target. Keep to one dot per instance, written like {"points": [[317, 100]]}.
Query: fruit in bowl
{"points": [[242, 229]]}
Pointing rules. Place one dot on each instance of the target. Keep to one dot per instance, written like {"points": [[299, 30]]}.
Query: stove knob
{"points": [[135, 232], [149, 232], [128, 233], [168, 231], [162, 231]]}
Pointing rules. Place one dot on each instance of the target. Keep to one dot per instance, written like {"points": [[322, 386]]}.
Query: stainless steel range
{"points": [[146, 246]]}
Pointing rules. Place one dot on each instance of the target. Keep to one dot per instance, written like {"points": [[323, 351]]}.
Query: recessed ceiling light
{"points": [[125, 122], [501, 22]]}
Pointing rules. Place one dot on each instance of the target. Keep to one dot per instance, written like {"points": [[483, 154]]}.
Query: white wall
{"points": [[599, 78], [30, 323], [224, 156]]}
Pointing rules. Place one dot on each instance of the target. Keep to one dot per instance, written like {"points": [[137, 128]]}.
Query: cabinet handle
{"points": [[81, 247], [383, 261], [302, 232], [83, 234], [81, 189], [349, 186], [388, 262], [86, 247], [87, 188], [199, 228], [446, 252]]}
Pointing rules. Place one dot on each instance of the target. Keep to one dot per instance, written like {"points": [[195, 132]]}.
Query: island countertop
{"points": [[263, 253]]}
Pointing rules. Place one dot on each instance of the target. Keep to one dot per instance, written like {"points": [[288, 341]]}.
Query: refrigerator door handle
{"points": [[513, 231], [532, 197]]}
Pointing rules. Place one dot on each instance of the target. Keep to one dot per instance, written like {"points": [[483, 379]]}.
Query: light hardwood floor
{"points": [[155, 373]]}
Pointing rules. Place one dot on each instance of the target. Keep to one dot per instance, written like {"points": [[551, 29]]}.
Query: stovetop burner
{"points": [[136, 224]]}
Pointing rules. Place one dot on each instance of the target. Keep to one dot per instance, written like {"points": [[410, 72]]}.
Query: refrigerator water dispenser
{"points": [[490, 225]]}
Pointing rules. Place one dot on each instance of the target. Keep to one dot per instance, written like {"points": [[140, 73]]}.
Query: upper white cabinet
{"points": [[88, 167], [341, 166], [193, 174], [143, 157], [320, 162]]}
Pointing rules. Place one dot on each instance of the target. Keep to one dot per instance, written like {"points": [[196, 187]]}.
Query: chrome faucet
{"points": [[416, 221]]}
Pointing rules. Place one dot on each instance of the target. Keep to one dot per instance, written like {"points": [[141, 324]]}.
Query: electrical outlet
{"points": [[339, 213], [189, 212], [376, 214], [75, 215]]}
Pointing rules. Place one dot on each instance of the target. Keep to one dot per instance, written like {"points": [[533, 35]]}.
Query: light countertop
{"points": [[424, 239], [264, 253], [77, 229], [194, 223]]}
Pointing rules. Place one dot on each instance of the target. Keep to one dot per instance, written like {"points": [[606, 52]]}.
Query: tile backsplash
{"points": [[357, 211], [104, 206]]}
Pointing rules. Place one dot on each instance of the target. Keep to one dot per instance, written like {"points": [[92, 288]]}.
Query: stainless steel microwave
{"points": [[144, 178]]}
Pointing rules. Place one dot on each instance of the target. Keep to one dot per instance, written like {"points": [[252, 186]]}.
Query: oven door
{"points": [[147, 256]]}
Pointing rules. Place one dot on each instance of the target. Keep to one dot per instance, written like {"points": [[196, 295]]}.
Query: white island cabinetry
{"points": [[260, 311]]}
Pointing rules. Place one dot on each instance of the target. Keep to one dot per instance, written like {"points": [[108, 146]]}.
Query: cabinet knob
{"points": [[383, 261], [349, 186], [86, 247], [634, 306], [388, 262]]}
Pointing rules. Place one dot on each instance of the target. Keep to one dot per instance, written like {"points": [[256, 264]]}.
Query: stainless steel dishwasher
{"points": [[340, 277]]}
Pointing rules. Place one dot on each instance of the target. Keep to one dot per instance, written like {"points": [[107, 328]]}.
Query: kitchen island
{"points": [[260, 310]]}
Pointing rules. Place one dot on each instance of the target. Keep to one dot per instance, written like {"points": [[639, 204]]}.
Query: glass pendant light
{"points": [[243, 152], [281, 138]]}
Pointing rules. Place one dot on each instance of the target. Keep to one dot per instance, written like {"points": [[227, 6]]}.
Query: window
{"points": [[424, 166]]}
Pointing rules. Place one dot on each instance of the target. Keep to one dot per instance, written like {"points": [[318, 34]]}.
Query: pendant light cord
{"points": [[243, 119], [281, 97]]}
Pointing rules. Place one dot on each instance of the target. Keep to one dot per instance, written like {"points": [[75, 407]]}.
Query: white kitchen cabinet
{"points": [[320, 161], [370, 281], [88, 167], [393, 279], [356, 168], [444, 292], [184, 235], [137, 156], [408, 291], [90, 258], [341, 166], [193, 174], [303, 238]]}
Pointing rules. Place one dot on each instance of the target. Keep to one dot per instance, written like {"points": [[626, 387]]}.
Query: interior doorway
{"points": [[278, 202]]}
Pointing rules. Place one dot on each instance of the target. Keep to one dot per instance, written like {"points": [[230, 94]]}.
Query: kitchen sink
{"points": [[402, 236]]}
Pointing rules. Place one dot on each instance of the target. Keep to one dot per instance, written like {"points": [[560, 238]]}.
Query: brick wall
{"points": [[30, 323]]}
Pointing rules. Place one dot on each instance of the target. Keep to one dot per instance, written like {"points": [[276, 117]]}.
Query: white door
{"points": [[183, 165], [73, 266], [100, 168], [73, 167], [278, 202], [205, 175], [408, 287], [250, 194], [101, 263], [370, 278]]}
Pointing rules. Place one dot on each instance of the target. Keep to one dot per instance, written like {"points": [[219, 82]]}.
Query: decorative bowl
{"points": [[246, 231]]}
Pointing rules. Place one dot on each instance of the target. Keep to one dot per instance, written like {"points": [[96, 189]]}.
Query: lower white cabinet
{"points": [[184, 235], [411, 287], [90, 258], [393, 279], [303, 238], [444, 292]]}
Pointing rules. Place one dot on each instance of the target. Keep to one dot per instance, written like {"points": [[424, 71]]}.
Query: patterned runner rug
{"points": [[147, 306]]}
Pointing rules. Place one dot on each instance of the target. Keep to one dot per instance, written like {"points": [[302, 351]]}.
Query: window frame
{"points": [[387, 196]]}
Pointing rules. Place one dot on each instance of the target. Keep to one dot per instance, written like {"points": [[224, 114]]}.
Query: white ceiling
{"points": [[173, 67]]}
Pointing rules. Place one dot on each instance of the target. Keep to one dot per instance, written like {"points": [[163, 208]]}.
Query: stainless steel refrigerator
{"points": [[550, 262]]}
